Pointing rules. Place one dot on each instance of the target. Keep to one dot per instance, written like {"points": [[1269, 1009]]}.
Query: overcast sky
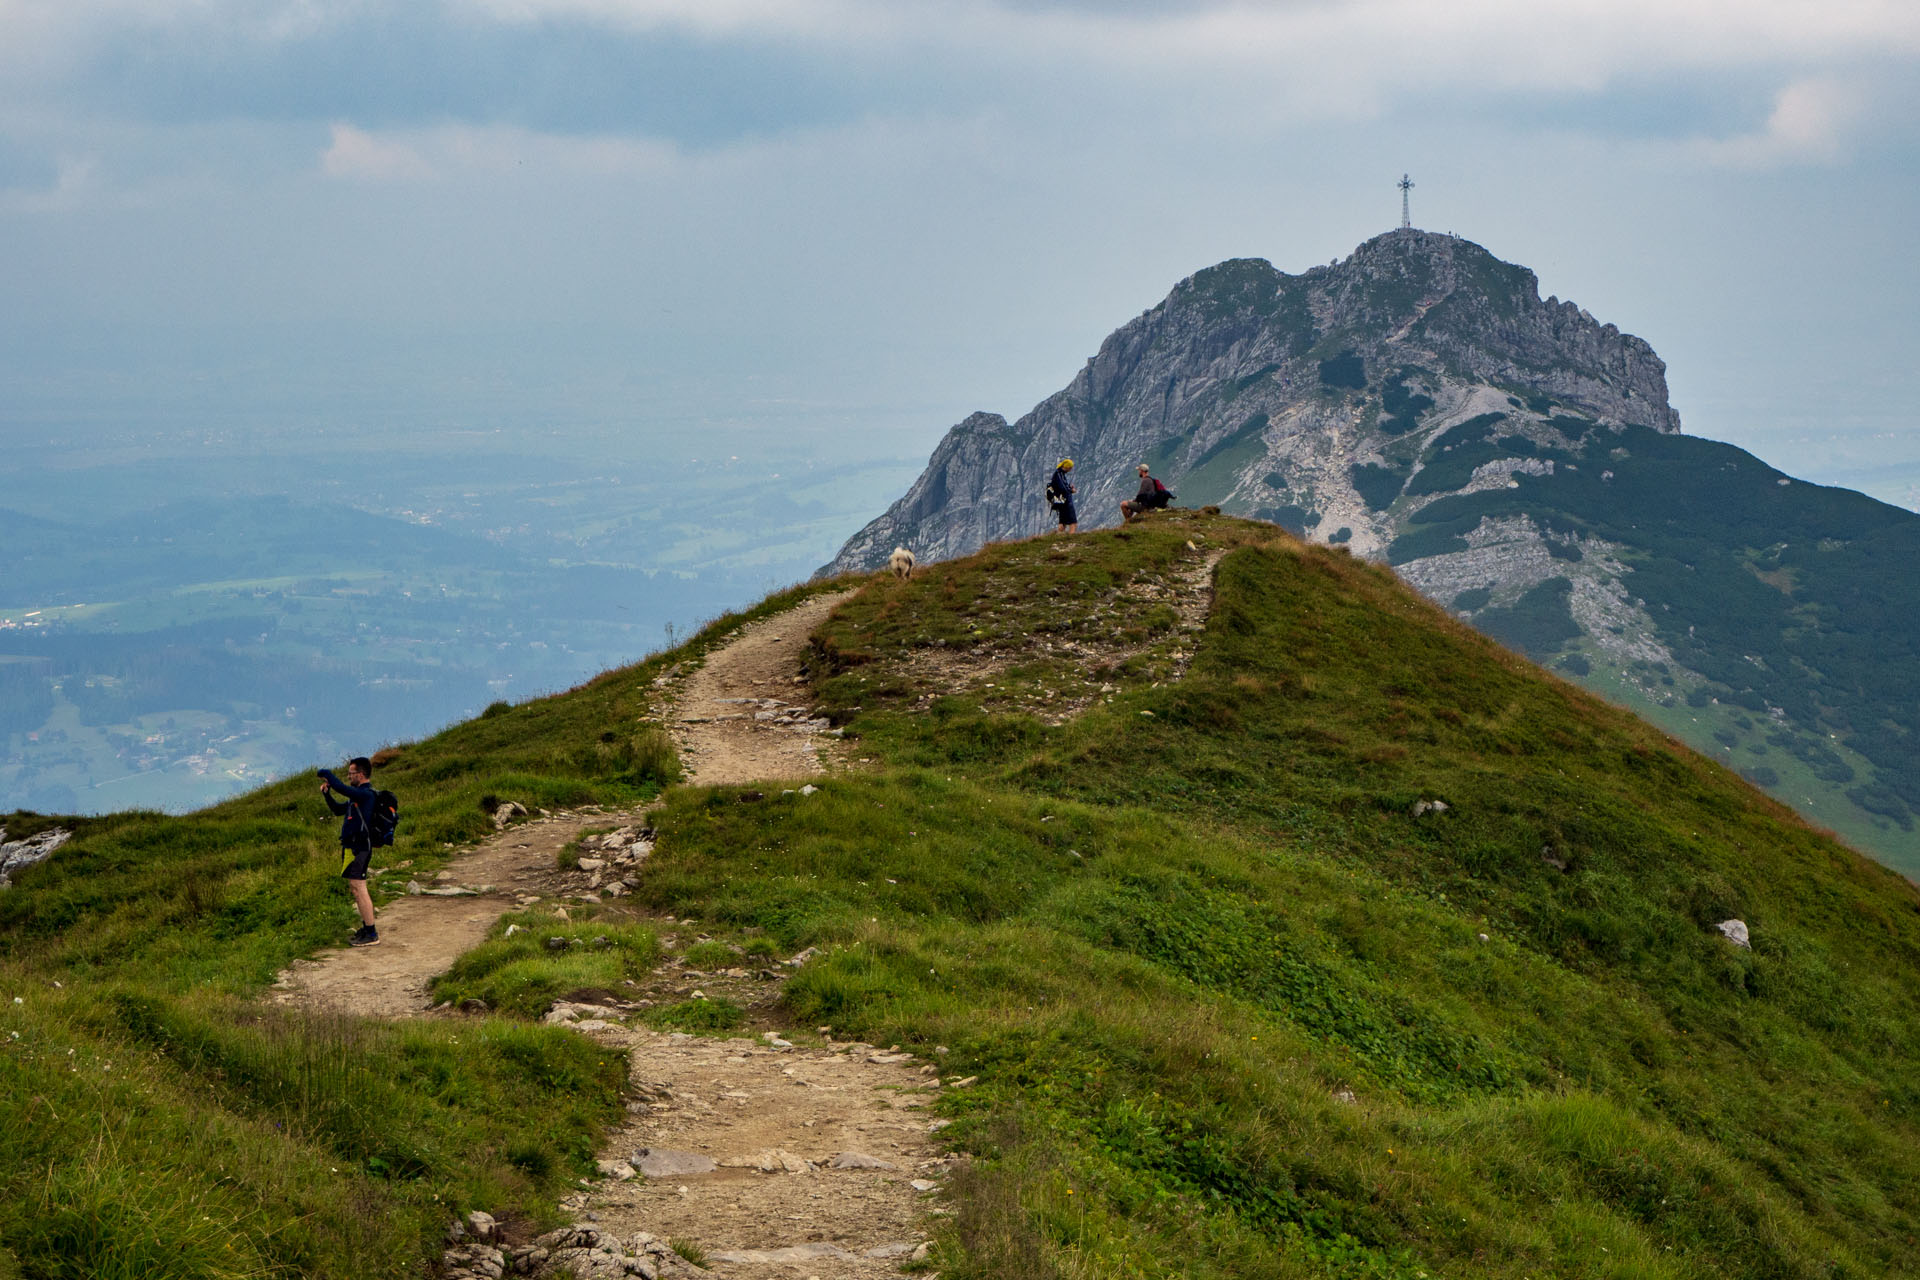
{"points": [[841, 226]]}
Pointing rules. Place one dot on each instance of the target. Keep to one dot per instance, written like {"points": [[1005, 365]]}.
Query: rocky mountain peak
{"points": [[1515, 460], [1261, 391]]}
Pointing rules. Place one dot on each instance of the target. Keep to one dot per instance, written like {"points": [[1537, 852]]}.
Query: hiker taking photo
{"points": [[363, 822], [1153, 496], [1060, 493]]}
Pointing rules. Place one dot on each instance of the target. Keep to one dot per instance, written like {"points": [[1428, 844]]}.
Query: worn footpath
{"points": [[748, 1157]]}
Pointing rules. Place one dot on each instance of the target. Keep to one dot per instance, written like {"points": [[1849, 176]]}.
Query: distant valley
{"points": [[174, 632]]}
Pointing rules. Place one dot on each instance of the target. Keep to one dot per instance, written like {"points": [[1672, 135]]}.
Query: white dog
{"points": [[901, 562]]}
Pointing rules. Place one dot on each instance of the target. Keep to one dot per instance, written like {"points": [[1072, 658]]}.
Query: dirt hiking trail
{"points": [[762, 1158], [422, 935], [732, 718]]}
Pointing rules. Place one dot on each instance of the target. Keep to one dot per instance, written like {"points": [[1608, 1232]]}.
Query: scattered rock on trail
{"points": [[660, 1162], [580, 1015], [728, 728], [811, 1148], [860, 1160], [792, 1253], [771, 1161], [585, 1253]]}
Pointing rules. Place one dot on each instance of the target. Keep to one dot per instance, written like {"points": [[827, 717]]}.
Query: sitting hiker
{"points": [[1153, 496], [1060, 497]]}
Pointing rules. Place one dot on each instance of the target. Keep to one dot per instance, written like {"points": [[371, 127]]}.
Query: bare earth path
{"points": [[733, 720], [823, 1159], [421, 937], [826, 1161]]}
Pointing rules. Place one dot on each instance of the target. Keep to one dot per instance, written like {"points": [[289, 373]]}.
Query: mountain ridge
{"points": [[1177, 370], [1517, 460]]}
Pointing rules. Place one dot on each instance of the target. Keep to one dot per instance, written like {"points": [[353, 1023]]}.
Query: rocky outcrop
{"points": [[18, 855], [1262, 391], [478, 1251]]}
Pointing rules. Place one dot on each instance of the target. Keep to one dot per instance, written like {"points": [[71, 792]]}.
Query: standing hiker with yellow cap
{"points": [[1060, 497]]}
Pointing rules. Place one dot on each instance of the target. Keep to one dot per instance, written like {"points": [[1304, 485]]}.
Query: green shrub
{"points": [[1346, 370], [1538, 623], [1378, 486], [1473, 599]]}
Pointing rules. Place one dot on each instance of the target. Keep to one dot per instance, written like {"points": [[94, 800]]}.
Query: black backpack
{"points": [[384, 821]]}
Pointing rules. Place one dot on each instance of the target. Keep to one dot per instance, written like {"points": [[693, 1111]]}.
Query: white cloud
{"points": [[42, 36], [1301, 59], [355, 153], [76, 180], [1812, 121], [1461, 41]]}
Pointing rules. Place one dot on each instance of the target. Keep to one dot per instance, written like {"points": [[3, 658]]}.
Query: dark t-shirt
{"points": [[354, 810]]}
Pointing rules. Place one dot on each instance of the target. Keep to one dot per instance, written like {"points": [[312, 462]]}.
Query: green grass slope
{"points": [[1790, 601], [1174, 935], [168, 1122], [1228, 1002]]}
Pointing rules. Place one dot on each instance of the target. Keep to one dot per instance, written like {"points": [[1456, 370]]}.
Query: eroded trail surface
{"points": [[760, 1157], [774, 1160], [421, 935], [734, 719]]}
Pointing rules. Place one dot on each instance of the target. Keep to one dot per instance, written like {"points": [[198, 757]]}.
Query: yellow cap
{"points": [[1066, 464]]}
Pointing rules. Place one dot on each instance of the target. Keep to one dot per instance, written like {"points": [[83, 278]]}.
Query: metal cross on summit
{"points": [[1405, 184]]}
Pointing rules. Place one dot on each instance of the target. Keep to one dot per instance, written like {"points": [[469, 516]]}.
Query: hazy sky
{"points": [[695, 225]]}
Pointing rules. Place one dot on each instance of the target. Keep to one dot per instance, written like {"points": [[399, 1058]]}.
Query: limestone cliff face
{"points": [[1263, 392], [1515, 460]]}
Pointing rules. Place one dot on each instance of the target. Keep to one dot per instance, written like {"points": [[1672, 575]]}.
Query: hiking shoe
{"points": [[365, 936]]}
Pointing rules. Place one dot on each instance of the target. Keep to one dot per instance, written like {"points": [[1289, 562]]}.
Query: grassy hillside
{"points": [[176, 1125], [1233, 1009], [1784, 604], [1173, 935]]}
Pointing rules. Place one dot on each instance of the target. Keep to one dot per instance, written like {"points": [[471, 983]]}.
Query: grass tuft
{"points": [[688, 1250]]}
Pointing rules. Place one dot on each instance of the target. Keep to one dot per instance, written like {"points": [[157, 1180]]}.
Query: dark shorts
{"points": [[353, 862], [1067, 514]]}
